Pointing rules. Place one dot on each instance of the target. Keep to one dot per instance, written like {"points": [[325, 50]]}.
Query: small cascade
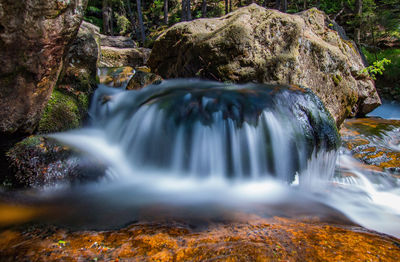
{"points": [[117, 77], [209, 149], [212, 130]]}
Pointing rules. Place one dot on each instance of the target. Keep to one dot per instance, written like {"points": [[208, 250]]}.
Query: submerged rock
{"points": [[374, 141], [34, 37], [257, 239], [267, 46]]}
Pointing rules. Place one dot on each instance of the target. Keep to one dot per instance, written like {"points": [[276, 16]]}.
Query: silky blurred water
{"points": [[211, 163]]}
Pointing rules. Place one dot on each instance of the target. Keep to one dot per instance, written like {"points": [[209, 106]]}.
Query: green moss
{"points": [[31, 141], [61, 113], [336, 79]]}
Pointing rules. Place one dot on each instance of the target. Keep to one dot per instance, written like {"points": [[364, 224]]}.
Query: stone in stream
{"points": [[374, 141], [38, 162], [254, 44], [34, 37], [142, 78]]}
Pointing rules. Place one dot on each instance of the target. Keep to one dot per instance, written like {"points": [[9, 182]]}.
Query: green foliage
{"points": [[123, 24], [94, 20], [376, 68], [93, 9], [392, 72]]}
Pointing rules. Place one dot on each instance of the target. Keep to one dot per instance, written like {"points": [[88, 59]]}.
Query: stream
{"points": [[194, 151]]}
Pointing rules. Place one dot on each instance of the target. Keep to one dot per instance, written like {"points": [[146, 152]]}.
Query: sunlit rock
{"points": [[254, 44]]}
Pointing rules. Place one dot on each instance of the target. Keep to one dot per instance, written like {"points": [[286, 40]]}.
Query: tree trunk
{"points": [[357, 29], [305, 5], [184, 13], [188, 10], [131, 16], [111, 22], [230, 5], [204, 8], [106, 13], [284, 6], [278, 4], [226, 7], [139, 9], [166, 12]]}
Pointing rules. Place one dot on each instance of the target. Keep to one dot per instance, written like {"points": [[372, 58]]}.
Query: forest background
{"points": [[373, 24]]}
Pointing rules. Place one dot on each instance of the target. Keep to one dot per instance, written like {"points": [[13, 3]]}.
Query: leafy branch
{"points": [[376, 68]]}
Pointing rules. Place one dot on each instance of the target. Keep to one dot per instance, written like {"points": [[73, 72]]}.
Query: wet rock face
{"points": [[69, 101], [34, 36], [142, 78], [38, 162], [261, 45]]}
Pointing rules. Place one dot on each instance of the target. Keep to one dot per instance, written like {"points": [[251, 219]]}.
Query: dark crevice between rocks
{"points": [[2, 29], [7, 141]]}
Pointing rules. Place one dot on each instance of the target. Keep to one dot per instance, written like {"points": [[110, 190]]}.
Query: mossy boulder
{"points": [[254, 44]]}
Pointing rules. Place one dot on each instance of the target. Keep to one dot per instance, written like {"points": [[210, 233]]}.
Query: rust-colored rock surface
{"points": [[374, 141], [257, 239], [34, 36], [254, 44]]}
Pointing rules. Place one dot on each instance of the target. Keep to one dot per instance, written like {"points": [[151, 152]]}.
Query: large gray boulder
{"points": [[34, 37], [267, 46]]}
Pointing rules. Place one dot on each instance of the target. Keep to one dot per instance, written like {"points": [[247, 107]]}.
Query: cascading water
{"points": [[209, 148], [210, 130]]}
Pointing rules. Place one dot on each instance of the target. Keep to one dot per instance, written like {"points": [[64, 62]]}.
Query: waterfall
{"points": [[208, 149], [207, 129]]}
